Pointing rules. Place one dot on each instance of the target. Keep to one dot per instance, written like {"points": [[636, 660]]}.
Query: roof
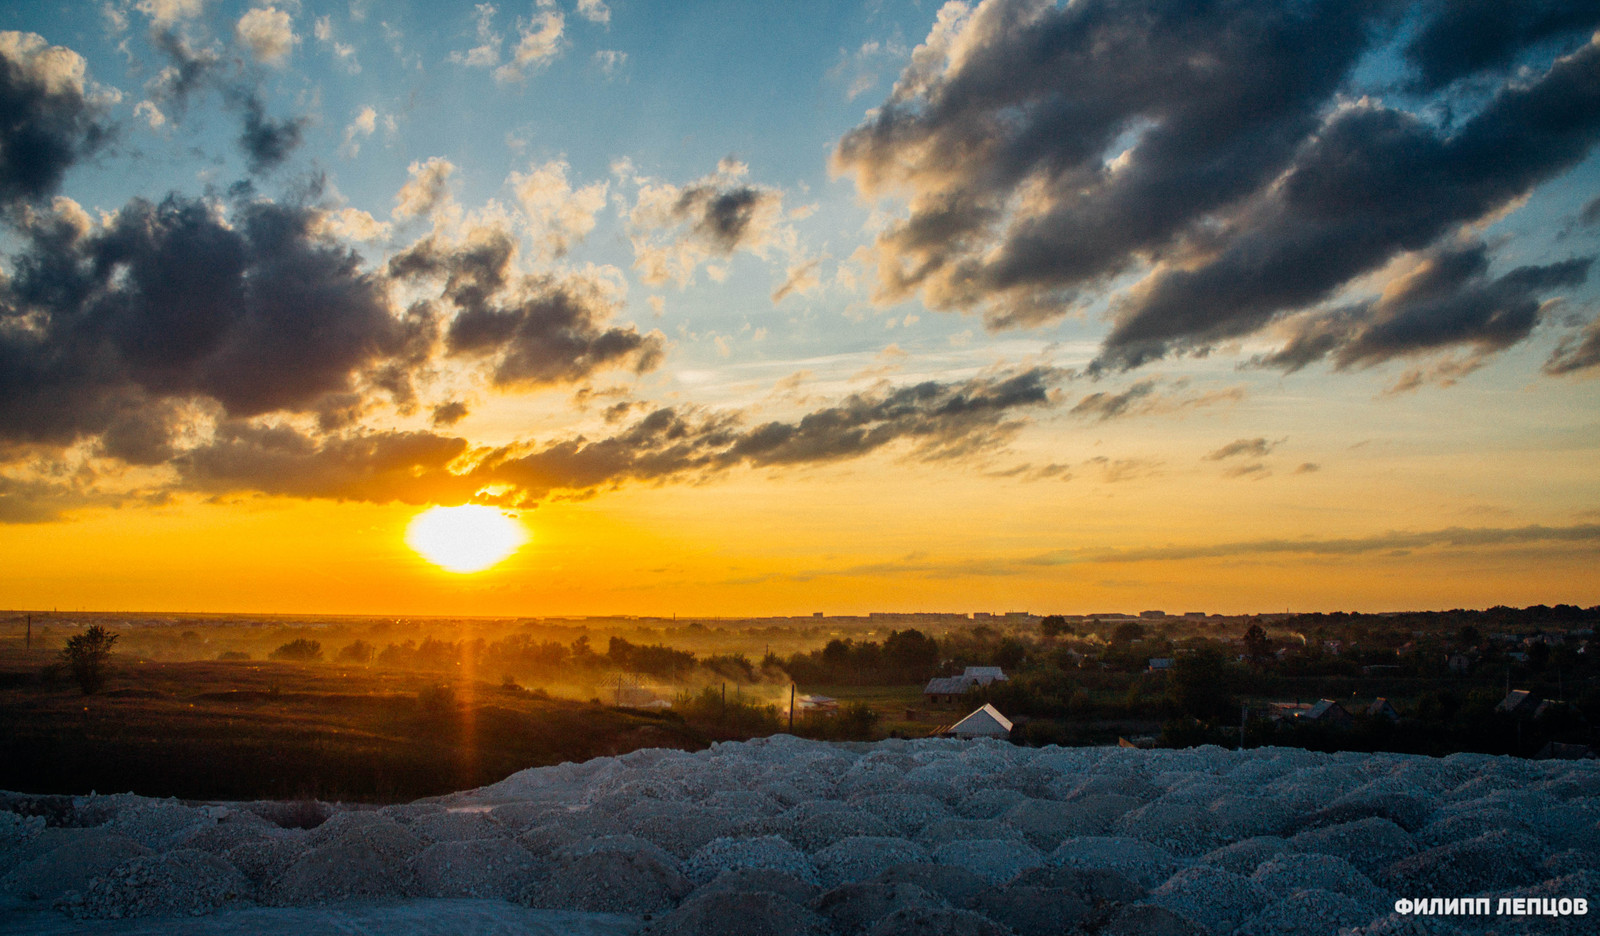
{"points": [[1161, 662], [946, 685], [1514, 700], [984, 674], [1379, 706], [984, 721], [1323, 709]]}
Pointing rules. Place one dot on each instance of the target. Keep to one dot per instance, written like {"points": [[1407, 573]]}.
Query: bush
{"points": [[298, 651], [86, 656], [235, 656], [358, 652]]}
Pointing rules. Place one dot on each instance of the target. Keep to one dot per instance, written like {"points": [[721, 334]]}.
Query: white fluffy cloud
{"points": [[268, 33]]}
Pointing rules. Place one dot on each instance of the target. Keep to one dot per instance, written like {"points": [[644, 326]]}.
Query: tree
{"points": [[299, 651], [1054, 625], [358, 652], [1199, 686], [1256, 644], [1127, 632], [86, 655]]}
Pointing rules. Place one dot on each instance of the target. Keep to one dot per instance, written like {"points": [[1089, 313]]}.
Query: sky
{"points": [[767, 309]]}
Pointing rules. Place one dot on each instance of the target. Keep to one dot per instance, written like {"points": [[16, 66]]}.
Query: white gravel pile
{"points": [[1216, 899], [934, 836], [1288, 873], [185, 882], [767, 851], [494, 868], [860, 858], [994, 860], [1145, 864]]}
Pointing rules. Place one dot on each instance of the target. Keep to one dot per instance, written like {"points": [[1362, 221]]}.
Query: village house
{"points": [[986, 722], [949, 688], [1380, 708], [1329, 712], [1518, 703]]}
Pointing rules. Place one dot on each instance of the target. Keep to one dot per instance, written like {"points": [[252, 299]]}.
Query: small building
{"points": [[1159, 664], [1329, 712], [816, 705], [1518, 703], [984, 675], [945, 688], [949, 688], [1380, 708], [986, 722]]}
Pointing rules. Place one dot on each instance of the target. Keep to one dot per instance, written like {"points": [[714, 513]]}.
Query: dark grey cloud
{"points": [[1577, 353], [1212, 101], [409, 467], [936, 420], [1103, 405], [47, 120], [1375, 182], [1226, 148], [1255, 448], [722, 217], [1590, 215], [101, 329], [448, 414], [1460, 38], [265, 142], [1448, 300], [535, 329], [189, 70]]}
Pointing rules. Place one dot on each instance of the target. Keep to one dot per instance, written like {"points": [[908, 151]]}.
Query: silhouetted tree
{"points": [[86, 655], [358, 652], [1256, 645], [298, 651], [1054, 625]]}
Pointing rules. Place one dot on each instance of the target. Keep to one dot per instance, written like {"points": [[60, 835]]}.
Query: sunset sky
{"points": [[748, 308]]}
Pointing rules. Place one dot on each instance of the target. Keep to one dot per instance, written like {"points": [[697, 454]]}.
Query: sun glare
{"points": [[464, 539]]}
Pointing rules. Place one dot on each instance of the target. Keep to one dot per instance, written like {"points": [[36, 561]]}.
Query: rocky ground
{"points": [[784, 836]]}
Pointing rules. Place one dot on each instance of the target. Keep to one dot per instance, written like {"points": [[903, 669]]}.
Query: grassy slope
{"points": [[279, 730]]}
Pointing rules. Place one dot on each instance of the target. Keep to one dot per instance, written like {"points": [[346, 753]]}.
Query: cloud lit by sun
{"points": [[465, 539]]}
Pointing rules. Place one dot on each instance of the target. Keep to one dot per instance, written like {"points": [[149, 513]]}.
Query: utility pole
{"points": [[29, 644], [791, 708], [1244, 717]]}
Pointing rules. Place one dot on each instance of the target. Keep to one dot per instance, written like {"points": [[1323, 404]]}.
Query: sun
{"points": [[465, 539]]}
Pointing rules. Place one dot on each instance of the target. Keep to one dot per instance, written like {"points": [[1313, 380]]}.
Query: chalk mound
{"points": [[787, 836], [187, 882]]}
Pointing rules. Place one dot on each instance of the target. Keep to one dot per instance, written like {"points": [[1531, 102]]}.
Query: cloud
{"points": [[1590, 215], [448, 414], [1460, 40], [541, 40], [1256, 448], [254, 313], [801, 278], [610, 61], [595, 11], [1142, 398], [1576, 353], [426, 191], [1375, 182], [1453, 537], [268, 33], [382, 467], [49, 119], [1222, 151], [1103, 406], [486, 54], [165, 13], [939, 421], [1447, 300], [532, 329], [363, 126], [265, 142], [675, 229], [558, 215], [190, 70]]}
